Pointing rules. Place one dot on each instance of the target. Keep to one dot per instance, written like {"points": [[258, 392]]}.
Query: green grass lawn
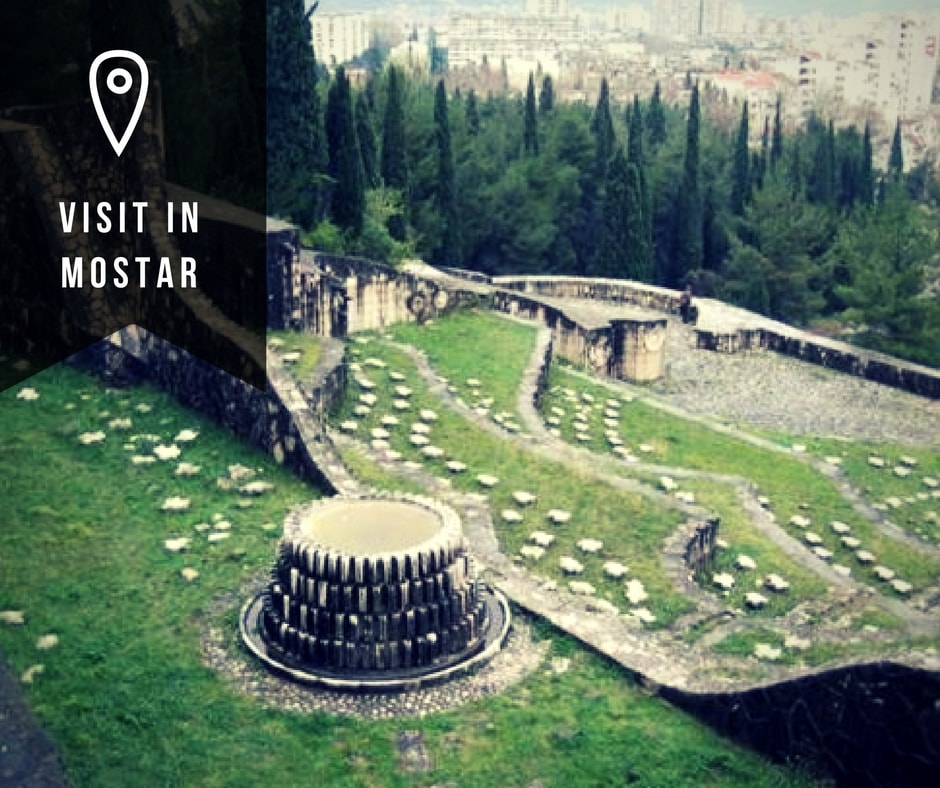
{"points": [[476, 345], [126, 697], [794, 488], [630, 526], [910, 501]]}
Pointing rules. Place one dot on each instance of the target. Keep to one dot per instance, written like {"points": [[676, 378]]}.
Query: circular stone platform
{"points": [[374, 594]]}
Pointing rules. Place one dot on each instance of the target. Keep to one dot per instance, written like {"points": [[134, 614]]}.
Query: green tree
{"points": [[546, 95], [688, 217], [603, 127], [394, 162], [623, 251], [530, 136], [776, 145], [295, 153], [367, 146], [348, 204], [740, 175], [472, 114], [866, 175], [896, 159], [884, 251], [449, 251], [656, 119]]}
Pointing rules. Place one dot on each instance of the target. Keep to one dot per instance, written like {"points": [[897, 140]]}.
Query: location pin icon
{"points": [[118, 81]]}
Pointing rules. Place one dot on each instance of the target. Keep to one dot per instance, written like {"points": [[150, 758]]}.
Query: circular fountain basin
{"points": [[376, 593], [369, 527]]}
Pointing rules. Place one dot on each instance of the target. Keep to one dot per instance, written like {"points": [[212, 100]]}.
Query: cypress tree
{"points": [[656, 119], [740, 174], [776, 145], [345, 160], [764, 154], [866, 176], [642, 259], [295, 147], [603, 127], [367, 148], [472, 114], [546, 95], [530, 135], [896, 159], [449, 250], [394, 165], [822, 178], [623, 250], [688, 250], [635, 132]]}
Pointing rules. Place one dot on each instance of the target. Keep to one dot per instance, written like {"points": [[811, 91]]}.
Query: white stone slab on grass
{"points": [[901, 586], [614, 569], [558, 516], [590, 546], [532, 551], [177, 544], [175, 504], [884, 574], [767, 652], [541, 538], [581, 588], [635, 591], [523, 498], [570, 566], [745, 562], [487, 480], [511, 516], [456, 466], [755, 601], [776, 583], [432, 452], [723, 580]]}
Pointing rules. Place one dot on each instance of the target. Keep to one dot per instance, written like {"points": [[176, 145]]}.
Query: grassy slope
{"points": [[788, 482], [125, 694]]}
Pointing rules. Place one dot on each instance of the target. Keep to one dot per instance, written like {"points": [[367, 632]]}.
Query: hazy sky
{"points": [[769, 7]]}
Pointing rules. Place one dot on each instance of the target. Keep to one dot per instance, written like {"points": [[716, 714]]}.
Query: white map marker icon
{"points": [[119, 81]]}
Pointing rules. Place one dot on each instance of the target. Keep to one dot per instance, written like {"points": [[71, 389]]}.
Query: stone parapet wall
{"points": [[617, 291], [875, 724], [837, 356]]}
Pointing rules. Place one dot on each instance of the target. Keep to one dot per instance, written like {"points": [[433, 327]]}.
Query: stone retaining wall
{"points": [[336, 296], [868, 725], [273, 420]]}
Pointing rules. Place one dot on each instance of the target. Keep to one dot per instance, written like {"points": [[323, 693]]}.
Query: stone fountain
{"points": [[374, 593]]}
